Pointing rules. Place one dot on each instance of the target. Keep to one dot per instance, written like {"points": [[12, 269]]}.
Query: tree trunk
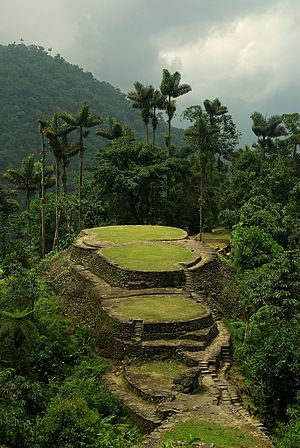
{"points": [[169, 131], [201, 206], [42, 199], [80, 178], [28, 217], [57, 206], [154, 124]]}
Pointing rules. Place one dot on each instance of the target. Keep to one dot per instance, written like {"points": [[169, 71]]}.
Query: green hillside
{"points": [[34, 84]]}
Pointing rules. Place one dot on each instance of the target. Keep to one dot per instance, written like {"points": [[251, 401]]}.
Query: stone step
{"points": [[193, 358], [205, 334]]}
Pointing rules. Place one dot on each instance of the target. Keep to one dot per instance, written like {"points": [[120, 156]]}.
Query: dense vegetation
{"points": [[50, 388], [254, 192], [34, 84]]}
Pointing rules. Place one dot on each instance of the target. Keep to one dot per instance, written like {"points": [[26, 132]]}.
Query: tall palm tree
{"points": [[158, 102], [68, 150], [201, 136], [142, 97], [83, 120], [42, 125], [267, 129], [54, 131], [171, 88]]}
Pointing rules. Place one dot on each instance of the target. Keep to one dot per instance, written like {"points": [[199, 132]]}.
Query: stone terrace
{"points": [[203, 341]]}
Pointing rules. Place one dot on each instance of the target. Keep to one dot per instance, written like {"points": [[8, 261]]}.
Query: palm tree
{"points": [[114, 130], [214, 109], [68, 150], [42, 125], [83, 120], [142, 97], [158, 102], [200, 135], [171, 88], [267, 129], [54, 131], [24, 177]]}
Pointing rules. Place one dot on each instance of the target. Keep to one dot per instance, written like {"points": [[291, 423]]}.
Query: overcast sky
{"points": [[244, 52]]}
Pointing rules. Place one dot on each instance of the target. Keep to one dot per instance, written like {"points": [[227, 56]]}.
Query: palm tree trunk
{"points": [[81, 150], [64, 179], [169, 131], [28, 217], [42, 199], [201, 207], [57, 206]]}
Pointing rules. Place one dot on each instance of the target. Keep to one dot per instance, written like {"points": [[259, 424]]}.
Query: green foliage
{"points": [[288, 433], [252, 247], [58, 399], [275, 285], [130, 182], [43, 85], [271, 358], [20, 400]]}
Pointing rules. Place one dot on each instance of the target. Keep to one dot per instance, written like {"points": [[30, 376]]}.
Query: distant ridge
{"points": [[33, 84]]}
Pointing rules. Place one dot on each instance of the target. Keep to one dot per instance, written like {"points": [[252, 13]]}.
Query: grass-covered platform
{"points": [[158, 307], [126, 234], [213, 433], [149, 256]]}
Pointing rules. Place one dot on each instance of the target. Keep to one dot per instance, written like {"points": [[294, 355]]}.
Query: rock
{"points": [[188, 381]]}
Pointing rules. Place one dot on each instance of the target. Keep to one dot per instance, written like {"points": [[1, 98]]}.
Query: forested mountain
{"points": [[35, 84]]}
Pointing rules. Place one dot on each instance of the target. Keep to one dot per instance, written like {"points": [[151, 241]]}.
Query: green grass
{"points": [[210, 432], [127, 234], [215, 240], [149, 256], [165, 368], [162, 307]]}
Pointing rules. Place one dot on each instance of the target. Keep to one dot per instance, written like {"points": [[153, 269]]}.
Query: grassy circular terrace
{"points": [[220, 436], [128, 234], [149, 256], [170, 369], [158, 307], [156, 375]]}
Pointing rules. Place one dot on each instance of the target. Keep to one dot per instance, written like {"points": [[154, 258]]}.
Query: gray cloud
{"points": [[243, 52]]}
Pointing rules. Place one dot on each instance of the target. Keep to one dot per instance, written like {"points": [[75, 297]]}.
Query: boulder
{"points": [[188, 381]]}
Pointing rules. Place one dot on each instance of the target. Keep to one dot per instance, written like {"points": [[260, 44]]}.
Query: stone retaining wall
{"points": [[213, 279], [98, 264], [153, 329]]}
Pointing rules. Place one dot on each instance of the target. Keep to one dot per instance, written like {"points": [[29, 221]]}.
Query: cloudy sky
{"points": [[246, 53]]}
